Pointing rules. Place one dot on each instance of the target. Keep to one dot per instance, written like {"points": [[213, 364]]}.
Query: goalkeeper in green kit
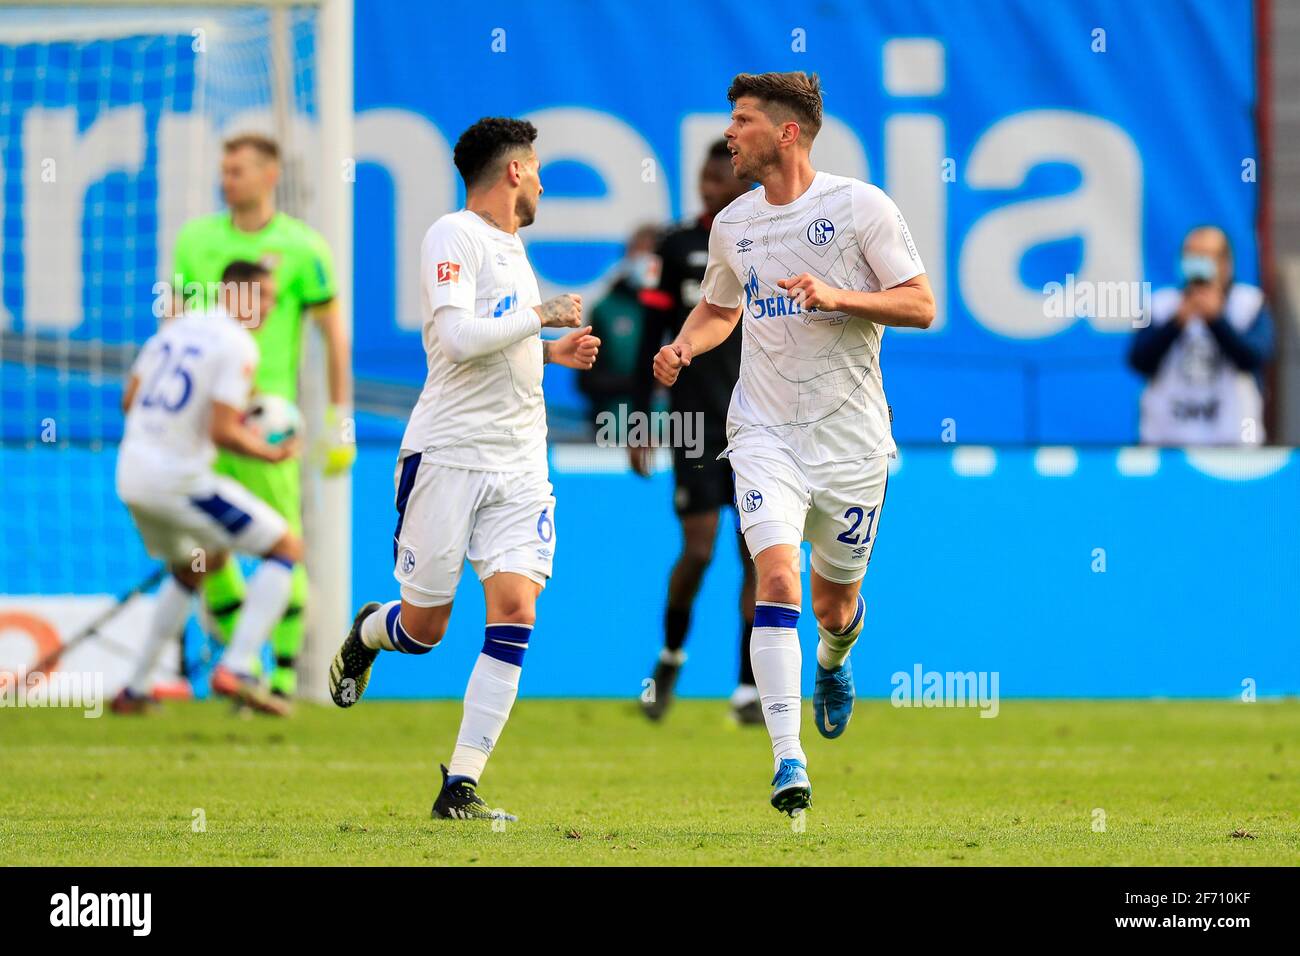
{"points": [[252, 229]]}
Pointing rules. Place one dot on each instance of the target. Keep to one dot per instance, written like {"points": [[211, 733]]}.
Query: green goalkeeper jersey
{"points": [[299, 261]]}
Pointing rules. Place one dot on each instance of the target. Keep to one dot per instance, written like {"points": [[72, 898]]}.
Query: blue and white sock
{"points": [[383, 631], [171, 608], [264, 605], [774, 652], [491, 693], [832, 647]]}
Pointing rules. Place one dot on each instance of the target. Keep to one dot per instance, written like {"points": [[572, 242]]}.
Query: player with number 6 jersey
{"points": [[817, 265], [471, 478]]}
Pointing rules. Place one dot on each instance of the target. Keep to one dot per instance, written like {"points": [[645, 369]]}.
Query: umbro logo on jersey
{"points": [[448, 272], [744, 244]]}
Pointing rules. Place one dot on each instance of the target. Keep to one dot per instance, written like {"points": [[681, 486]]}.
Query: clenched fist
{"points": [[561, 312], [670, 361]]}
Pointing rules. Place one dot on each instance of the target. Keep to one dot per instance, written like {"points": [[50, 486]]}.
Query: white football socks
{"points": [[833, 648], [264, 604], [777, 660], [491, 693], [374, 629], [171, 608], [383, 631]]}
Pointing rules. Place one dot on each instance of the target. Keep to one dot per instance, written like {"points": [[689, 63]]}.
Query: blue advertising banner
{"points": [[1028, 142], [1049, 156], [1067, 572]]}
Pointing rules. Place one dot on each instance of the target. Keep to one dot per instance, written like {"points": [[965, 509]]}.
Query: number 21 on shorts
{"points": [[857, 517]]}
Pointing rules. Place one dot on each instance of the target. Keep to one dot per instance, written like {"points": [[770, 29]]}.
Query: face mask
{"points": [[642, 270], [1198, 269]]}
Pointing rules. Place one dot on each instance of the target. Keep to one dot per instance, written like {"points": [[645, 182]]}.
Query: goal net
{"points": [[111, 120]]}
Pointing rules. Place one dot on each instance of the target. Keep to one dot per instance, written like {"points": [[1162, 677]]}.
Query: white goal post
{"points": [[173, 79]]}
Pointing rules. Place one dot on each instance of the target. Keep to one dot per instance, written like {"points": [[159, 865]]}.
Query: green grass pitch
{"points": [[594, 783]]}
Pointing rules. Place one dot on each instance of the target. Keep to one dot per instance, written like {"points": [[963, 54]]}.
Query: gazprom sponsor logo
{"points": [[767, 307]]}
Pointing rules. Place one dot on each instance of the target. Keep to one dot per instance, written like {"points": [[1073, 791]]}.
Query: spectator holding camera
{"points": [[1203, 352]]}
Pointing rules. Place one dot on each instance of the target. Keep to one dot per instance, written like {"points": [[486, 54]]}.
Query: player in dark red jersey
{"points": [[703, 483]]}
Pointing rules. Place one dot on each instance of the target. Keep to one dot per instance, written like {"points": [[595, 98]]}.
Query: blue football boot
{"points": [[791, 788], [833, 699]]}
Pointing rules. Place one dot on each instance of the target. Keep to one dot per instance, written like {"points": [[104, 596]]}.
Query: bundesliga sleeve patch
{"points": [[448, 272]]}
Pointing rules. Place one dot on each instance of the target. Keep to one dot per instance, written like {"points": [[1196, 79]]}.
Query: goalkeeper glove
{"points": [[339, 444]]}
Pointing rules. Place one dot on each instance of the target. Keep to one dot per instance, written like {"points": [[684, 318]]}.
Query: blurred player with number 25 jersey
{"points": [[817, 265], [185, 398]]}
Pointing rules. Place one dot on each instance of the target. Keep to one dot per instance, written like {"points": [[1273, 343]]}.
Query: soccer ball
{"points": [[277, 418]]}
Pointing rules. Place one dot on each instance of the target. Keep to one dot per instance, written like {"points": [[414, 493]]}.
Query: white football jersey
{"points": [[486, 413], [190, 362], [810, 379]]}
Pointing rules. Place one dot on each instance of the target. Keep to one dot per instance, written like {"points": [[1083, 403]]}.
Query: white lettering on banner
{"points": [[1106, 210], [915, 151], [418, 161], [53, 208], [188, 173], [615, 151]]}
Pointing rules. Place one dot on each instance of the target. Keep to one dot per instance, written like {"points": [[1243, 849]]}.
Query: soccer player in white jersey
{"points": [[817, 265], [471, 476], [185, 398]]}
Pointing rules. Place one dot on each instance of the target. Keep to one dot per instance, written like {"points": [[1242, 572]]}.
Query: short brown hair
{"points": [[244, 270], [799, 93], [268, 147]]}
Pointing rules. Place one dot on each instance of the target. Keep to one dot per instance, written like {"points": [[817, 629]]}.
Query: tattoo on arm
{"points": [[549, 311], [546, 352]]}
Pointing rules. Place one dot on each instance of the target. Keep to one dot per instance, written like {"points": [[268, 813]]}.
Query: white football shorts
{"points": [[214, 515], [501, 521], [835, 507]]}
